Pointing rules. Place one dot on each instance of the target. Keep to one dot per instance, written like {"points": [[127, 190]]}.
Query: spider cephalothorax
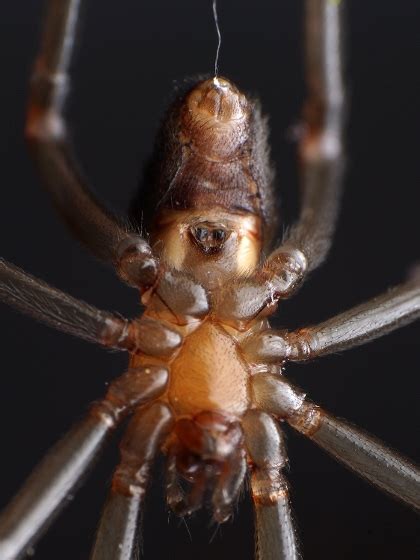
{"points": [[205, 383]]}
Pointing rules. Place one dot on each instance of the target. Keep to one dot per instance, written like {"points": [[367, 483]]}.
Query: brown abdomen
{"points": [[212, 151]]}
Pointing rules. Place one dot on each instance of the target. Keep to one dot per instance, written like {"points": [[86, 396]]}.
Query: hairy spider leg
{"points": [[359, 325], [46, 131], [321, 149], [307, 242], [46, 491], [118, 532], [116, 537], [65, 313], [275, 532], [356, 449]]}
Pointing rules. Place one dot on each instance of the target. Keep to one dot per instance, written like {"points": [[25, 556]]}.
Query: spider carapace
{"points": [[205, 381]]}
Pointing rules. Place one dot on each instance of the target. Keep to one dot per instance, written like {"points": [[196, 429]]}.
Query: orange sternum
{"points": [[209, 374]]}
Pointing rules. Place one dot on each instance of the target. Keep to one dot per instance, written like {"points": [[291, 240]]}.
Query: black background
{"points": [[129, 56]]}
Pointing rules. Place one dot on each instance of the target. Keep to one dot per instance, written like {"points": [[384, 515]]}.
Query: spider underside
{"points": [[205, 381]]}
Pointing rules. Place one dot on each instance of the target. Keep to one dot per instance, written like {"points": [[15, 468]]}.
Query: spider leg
{"points": [[46, 132], [359, 451], [354, 327], [47, 490], [308, 241], [65, 313], [275, 533], [116, 536]]}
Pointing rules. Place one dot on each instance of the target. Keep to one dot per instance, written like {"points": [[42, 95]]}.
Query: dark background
{"points": [[130, 54]]}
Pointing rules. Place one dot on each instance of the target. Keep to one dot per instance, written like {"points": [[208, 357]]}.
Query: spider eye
{"points": [[209, 238]]}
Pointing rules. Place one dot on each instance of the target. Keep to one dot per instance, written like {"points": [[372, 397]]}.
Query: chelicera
{"points": [[205, 381]]}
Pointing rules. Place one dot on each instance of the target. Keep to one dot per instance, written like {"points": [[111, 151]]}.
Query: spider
{"points": [[202, 234]]}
